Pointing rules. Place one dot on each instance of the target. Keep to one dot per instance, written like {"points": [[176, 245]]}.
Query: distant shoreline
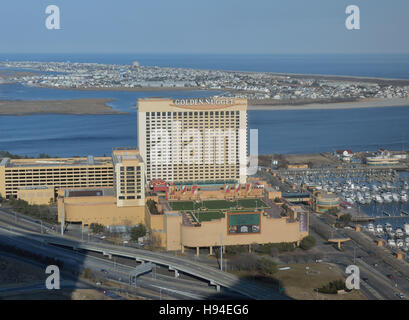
{"points": [[359, 104], [100, 107], [69, 107]]}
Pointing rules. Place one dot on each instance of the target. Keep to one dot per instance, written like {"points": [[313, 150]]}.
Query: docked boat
{"points": [[387, 197], [388, 227], [378, 199], [391, 243], [400, 243], [379, 228], [406, 228], [371, 227], [399, 233]]}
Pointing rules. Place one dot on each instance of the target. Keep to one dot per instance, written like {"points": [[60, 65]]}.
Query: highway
{"points": [[176, 288], [196, 269], [371, 261]]}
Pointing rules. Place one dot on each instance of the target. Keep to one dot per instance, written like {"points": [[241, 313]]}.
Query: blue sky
{"points": [[211, 26]]}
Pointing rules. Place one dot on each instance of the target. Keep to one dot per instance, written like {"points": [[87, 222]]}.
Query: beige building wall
{"points": [[3, 181], [272, 230], [102, 209], [173, 224], [37, 196], [209, 234], [155, 223]]}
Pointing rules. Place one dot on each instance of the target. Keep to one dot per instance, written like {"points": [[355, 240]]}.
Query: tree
{"points": [[137, 232], [97, 227], [243, 262], [266, 266], [345, 218], [308, 242], [153, 209]]}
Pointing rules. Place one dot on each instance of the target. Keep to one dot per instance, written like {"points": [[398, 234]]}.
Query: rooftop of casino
{"points": [[57, 162]]}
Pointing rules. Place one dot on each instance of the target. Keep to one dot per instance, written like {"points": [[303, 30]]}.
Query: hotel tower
{"points": [[191, 140]]}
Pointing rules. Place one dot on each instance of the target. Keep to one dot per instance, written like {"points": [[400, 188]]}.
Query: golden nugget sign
{"points": [[203, 101]]}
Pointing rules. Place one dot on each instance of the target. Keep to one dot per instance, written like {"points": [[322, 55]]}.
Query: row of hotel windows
{"points": [[20, 182], [129, 197], [60, 169], [195, 113]]}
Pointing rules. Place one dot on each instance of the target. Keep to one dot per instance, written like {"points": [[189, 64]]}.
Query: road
{"points": [[194, 268], [180, 289], [377, 285]]}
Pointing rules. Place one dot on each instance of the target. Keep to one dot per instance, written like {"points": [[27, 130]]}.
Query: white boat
{"points": [[404, 198], [371, 227], [406, 228], [391, 243], [379, 229], [388, 227], [399, 233], [378, 199], [395, 197], [387, 197], [400, 243]]}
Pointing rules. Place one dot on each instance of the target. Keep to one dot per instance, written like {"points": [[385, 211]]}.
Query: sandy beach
{"points": [[75, 106], [364, 103]]}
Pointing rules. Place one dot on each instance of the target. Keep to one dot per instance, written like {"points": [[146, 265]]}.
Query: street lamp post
{"points": [[221, 252]]}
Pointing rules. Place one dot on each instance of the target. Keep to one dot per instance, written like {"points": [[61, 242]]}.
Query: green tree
{"points": [[308, 242], [138, 231]]}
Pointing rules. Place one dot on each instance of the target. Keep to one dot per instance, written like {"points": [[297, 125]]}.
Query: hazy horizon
{"points": [[211, 27]]}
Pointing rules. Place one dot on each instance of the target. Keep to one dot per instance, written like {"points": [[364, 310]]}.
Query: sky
{"points": [[210, 26]]}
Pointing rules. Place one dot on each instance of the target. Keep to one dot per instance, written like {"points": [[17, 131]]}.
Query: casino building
{"points": [[190, 140], [187, 182]]}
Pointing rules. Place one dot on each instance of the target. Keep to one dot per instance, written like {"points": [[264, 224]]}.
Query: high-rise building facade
{"points": [[129, 177], [191, 140]]}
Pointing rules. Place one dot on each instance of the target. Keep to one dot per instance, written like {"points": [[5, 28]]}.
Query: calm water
{"points": [[304, 131]]}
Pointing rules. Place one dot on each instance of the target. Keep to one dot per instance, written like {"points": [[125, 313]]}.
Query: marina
{"points": [[376, 198]]}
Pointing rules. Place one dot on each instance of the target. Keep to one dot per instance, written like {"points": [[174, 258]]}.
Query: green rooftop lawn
{"points": [[208, 215]]}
